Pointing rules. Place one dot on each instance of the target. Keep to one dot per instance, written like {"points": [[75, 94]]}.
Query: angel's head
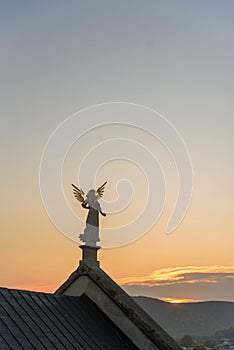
{"points": [[91, 194]]}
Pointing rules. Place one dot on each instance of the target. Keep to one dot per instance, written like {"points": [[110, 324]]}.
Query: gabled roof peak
{"points": [[91, 280]]}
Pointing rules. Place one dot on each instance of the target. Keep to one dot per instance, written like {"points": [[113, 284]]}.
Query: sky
{"points": [[175, 57]]}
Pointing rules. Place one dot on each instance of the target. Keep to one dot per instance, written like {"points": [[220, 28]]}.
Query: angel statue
{"points": [[91, 231]]}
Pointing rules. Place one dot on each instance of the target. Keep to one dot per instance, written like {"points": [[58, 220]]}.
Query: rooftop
{"points": [[31, 320], [88, 311]]}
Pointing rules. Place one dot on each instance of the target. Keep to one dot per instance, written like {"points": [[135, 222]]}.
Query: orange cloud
{"points": [[176, 275]]}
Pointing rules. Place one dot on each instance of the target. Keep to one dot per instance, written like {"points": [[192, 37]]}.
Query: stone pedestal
{"points": [[89, 255]]}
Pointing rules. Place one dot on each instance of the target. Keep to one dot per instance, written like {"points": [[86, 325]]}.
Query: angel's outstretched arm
{"points": [[85, 205]]}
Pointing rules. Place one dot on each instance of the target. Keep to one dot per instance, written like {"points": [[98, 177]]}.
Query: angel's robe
{"points": [[91, 232]]}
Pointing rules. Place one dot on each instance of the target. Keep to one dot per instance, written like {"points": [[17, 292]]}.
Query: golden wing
{"points": [[100, 191], [79, 194]]}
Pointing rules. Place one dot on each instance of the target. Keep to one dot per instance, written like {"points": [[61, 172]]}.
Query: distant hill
{"points": [[203, 318]]}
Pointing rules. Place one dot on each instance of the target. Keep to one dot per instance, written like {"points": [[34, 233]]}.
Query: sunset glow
{"points": [[178, 301], [182, 284]]}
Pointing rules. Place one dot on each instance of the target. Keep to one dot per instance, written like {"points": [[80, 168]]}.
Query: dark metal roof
{"points": [[31, 320]]}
